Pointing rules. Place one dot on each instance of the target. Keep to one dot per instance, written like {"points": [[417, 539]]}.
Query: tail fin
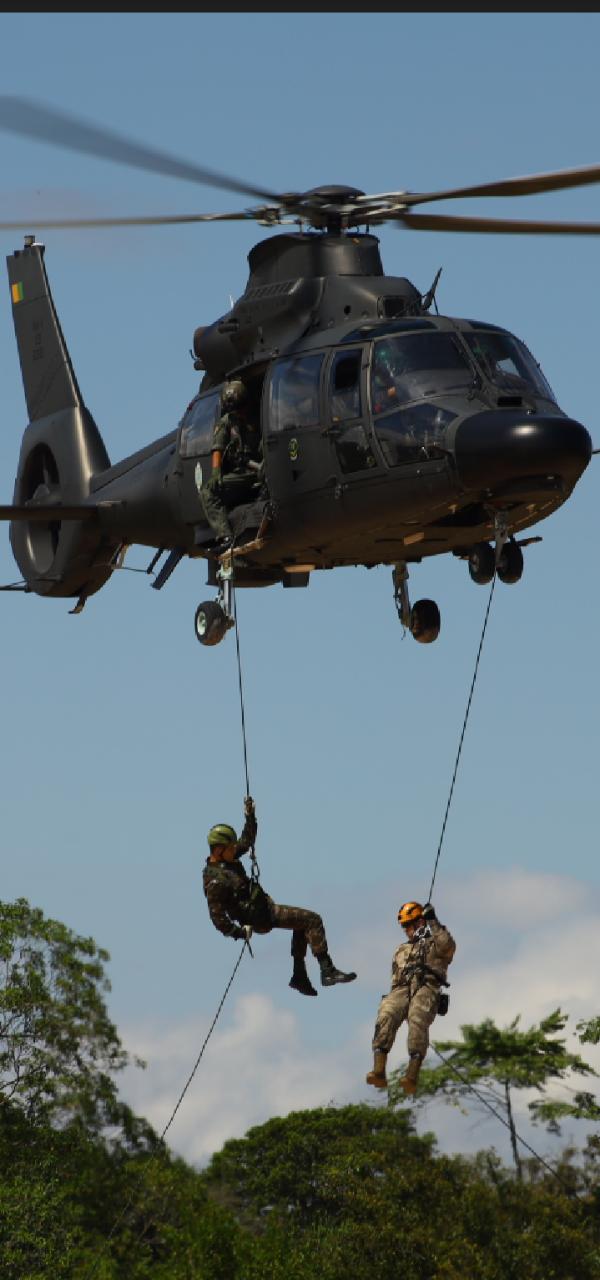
{"points": [[48, 378], [60, 552]]}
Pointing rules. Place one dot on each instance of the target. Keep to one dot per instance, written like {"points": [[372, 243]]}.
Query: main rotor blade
{"points": [[35, 120], [531, 185], [496, 226], [60, 224]]}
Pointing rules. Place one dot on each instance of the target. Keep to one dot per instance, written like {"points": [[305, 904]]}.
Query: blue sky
{"points": [[121, 735]]}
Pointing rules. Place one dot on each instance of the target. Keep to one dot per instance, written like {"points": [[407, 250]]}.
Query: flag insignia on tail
{"points": [[17, 292]]}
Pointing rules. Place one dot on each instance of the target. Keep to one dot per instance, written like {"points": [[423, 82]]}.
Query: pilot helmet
{"points": [[233, 394]]}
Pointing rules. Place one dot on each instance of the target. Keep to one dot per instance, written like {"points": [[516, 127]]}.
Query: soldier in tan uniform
{"points": [[419, 969], [239, 906]]}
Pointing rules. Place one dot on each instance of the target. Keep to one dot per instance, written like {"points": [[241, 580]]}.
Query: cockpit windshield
{"points": [[507, 363], [415, 366]]}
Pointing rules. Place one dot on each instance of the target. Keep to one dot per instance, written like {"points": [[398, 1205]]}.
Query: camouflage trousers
{"points": [[307, 929], [215, 509], [419, 1007]]}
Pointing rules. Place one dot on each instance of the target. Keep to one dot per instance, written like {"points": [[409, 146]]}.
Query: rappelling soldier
{"points": [[236, 454], [239, 906], [419, 970]]}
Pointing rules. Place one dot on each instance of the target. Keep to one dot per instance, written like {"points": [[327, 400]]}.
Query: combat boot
{"points": [[409, 1080], [330, 975], [300, 980], [377, 1076]]}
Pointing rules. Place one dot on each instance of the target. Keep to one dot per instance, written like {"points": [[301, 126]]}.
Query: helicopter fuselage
{"points": [[351, 484], [388, 434]]}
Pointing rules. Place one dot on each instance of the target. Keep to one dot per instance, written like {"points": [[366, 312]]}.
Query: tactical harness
{"points": [[251, 905], [419, 969]]}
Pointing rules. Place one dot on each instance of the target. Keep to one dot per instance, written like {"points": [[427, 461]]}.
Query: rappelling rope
{"points": [[255, 871], [132, 1198], [462, 736], [254, 875], [450, 1065]]}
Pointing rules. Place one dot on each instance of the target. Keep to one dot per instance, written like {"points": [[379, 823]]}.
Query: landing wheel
{"points": [[210, 623], [425, 621], [482, 563], [510, 564]]}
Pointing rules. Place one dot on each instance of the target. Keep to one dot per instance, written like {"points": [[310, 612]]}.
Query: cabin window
{"points": [[197, 425], [345, 398], [295, 393]]}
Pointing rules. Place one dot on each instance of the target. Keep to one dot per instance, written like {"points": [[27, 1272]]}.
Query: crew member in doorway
{"points": [[419, 969], [239, 906], [235, 452]]}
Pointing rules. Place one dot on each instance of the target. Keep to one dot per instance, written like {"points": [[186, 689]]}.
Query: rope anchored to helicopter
{"points": [[390, 435]]}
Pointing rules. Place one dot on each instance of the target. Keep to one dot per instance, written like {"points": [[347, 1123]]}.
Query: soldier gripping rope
{"points": [[238, 906], [419, 969]]}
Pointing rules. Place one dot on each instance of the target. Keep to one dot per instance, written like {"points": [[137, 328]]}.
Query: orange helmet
{"points": [[409, 912]]}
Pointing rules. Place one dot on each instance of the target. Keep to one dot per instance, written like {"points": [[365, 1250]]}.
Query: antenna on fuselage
{"points": [[429, 297]]}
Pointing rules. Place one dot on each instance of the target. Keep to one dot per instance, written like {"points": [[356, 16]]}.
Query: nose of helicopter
{"points": [[498, 447]]}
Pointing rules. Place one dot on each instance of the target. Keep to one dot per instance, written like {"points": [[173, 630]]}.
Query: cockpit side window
{"points": [[294, 393], [198, 423], [507, 363], [345, 386]]}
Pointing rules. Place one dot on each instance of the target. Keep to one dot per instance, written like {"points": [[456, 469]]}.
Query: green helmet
{"points": [[233, 394], [222, 833]]}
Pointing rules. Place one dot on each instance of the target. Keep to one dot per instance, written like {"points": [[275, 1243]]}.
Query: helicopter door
{"points": [[345, 406], [195, 446], [295, 456]]}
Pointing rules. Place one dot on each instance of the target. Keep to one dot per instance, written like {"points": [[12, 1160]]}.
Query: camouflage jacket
{"points": [[425, 960], [237, 440], [233, 899]]}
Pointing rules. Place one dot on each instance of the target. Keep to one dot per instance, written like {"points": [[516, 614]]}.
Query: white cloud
{"points": [[526, 944], [255, 1066]]}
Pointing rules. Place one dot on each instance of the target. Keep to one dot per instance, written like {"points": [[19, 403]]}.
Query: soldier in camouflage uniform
{"points": [[239, 906], [419, 969], [235, 451]]}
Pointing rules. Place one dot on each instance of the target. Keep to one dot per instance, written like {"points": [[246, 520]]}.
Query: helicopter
{"points": [[389, 433]]}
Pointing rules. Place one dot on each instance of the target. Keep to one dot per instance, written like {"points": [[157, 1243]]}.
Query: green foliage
{"points": [[353, 1192], [589, 1031], [281, 1162], [58, 1047], [522, 1059], [584, 1105], [87, 1190], [490, 1062], [71, 1205]]}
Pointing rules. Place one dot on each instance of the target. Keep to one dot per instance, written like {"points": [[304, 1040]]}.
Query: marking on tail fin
{"points": [[48, 378]]}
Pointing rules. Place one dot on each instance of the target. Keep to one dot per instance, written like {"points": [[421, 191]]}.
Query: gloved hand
{"points": [[248, 805], [238, 934], [247, 931], [216, 475], [429, 912]]}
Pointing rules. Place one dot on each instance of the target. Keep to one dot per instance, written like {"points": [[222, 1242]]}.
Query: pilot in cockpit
{"points": [[385, 374]]}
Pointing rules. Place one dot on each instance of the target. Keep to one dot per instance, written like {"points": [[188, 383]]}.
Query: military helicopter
{"points": [[389, 433]]}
